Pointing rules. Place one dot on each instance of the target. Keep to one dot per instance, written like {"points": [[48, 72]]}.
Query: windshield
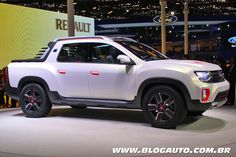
{"points": [[142, 51]]}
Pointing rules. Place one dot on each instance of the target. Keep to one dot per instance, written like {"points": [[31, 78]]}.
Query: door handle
{"points": [[61, 72], [94, 73]]}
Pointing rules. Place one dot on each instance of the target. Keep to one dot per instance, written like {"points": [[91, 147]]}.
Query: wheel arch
{"points": [[33, 79], [176, 84]]}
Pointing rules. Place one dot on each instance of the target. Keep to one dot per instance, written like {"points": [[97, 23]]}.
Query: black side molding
{"points": [[59, 100]]}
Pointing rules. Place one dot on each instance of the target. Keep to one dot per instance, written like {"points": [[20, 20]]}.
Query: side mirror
{"points": [[123, 59]]}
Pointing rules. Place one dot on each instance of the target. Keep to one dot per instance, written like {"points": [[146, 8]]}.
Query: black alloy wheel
{"points": [[34, 101], [163, 107]]}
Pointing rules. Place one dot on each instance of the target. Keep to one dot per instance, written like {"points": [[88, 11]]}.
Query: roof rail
{"points": [[82, 37], [122, 39]]}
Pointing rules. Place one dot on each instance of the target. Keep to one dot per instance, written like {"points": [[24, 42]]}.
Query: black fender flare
{"points": [[34, 79], [176, 84]]}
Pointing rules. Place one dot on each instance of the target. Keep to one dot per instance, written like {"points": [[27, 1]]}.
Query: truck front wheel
{"points": [[34, 101], [163, 107]]}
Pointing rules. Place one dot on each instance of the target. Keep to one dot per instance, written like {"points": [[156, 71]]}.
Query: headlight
{"points": [[204, 76]]}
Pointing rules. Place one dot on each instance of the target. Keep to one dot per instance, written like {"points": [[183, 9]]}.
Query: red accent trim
{"points": [[61, 72], [79, 38], [205, 94], [94, 73], [198, 62]]}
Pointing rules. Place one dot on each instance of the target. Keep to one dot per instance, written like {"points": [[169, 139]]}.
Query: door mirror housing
{"points": [[123, 59]]}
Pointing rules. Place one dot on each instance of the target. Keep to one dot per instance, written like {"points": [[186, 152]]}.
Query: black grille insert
{"points": [[221, 96], [217, 76]]}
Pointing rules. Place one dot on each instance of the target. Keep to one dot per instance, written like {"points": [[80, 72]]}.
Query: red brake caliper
{"points": [[161, 107]]}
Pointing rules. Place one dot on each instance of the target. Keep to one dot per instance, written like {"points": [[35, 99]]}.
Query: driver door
{"points": [[107, 78]]}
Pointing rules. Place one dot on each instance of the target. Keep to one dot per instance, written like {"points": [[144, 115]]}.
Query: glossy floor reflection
{"points": [[68, 132]]}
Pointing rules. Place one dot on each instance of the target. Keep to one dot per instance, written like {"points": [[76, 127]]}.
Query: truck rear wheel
{"points": [[34, 101], [163, 107]]}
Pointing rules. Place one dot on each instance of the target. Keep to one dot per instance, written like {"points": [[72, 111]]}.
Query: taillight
{"points": [[205, 94]]}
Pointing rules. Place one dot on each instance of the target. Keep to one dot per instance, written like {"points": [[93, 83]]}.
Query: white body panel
{"points": [[73, 82], [113, 81], [179, 70]]}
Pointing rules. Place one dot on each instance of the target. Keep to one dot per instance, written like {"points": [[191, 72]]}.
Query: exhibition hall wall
{"points": [[24, 31]]}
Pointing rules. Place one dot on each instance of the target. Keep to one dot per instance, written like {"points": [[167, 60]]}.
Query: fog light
{"points": [[205, 94]]}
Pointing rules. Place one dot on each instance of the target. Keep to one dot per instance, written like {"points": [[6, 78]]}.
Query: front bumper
{"points": [[220, 99], [217, 96]]}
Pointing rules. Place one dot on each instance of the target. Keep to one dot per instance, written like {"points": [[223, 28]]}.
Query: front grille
{"points": [[217, 76], [221, 96]]}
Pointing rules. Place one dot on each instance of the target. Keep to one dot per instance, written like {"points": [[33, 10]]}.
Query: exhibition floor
{"points": [[68, 132]]}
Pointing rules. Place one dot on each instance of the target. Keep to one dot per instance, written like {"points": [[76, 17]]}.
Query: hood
{"points": [[186, 64]]}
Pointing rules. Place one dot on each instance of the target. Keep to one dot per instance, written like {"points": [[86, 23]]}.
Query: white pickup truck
{"points": [[115, 72]]}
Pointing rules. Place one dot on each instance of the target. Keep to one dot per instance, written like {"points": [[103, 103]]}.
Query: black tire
{"points": [[79, 107], [163, 107], [34, 101], [195, 113]]}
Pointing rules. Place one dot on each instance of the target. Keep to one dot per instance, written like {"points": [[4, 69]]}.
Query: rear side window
{"points": [[74, 53], [89, 52]]}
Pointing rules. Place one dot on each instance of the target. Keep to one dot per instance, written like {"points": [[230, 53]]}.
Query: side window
{"points": [[104, 53], [73, 53]]}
